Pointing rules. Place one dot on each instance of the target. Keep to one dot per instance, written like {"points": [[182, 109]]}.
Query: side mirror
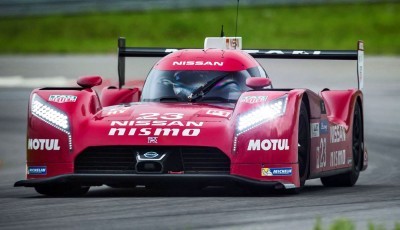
{"points": [[258, 82], [89, 81]]}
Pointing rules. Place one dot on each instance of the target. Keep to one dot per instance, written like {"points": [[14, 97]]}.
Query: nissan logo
{"points": [[150, 155]]}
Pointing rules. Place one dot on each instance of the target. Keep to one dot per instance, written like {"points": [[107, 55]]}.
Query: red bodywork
{"points": [[117, 118]]}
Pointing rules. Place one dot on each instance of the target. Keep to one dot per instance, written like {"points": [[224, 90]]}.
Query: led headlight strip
{"points": [[51, 115], [261, 114]]}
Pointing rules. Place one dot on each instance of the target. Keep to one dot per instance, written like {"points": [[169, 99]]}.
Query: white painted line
{"points": [[23, 82]]}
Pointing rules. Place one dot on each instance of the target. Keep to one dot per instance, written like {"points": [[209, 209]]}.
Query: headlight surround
{"points": [[261, 114], [51, 115]]}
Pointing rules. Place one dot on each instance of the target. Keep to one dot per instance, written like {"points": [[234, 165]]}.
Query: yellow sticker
{"points": [[266, 172]]}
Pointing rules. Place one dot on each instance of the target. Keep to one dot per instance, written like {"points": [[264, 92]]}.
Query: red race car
{"points": [[203, 117]]}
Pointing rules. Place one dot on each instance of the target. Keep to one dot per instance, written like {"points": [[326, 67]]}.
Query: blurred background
{"points": [[93, 26]]}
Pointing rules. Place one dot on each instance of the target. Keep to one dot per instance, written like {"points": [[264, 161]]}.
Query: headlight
{"points": [[51, 115], [261, 114]]}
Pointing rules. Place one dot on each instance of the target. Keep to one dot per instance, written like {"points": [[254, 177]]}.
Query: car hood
{"points": [[170, 112], [166, 124]]}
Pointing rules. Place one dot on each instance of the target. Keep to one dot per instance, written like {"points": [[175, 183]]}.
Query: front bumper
{"points": [[152, 179]]}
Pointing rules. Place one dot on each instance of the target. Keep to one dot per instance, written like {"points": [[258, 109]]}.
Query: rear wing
{"points": [[357, 54]]}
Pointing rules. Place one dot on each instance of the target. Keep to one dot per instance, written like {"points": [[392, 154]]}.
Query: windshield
{"points": [[178, 85]]}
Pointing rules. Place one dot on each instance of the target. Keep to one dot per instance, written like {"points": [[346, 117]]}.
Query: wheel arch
{"points": [[306, 101], [359, 100]]}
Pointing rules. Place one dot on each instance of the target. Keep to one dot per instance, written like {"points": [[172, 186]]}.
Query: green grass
{"points": [[346, 224], [302, 27]]}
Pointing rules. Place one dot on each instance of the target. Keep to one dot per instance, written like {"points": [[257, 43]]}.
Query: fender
{"points": [[282, 128], [51, 144], [273, 143], [340, 110], [340, 105]]}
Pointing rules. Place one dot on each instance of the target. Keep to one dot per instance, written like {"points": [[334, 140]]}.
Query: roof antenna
{"points": [[237, 15], [222, 31]]}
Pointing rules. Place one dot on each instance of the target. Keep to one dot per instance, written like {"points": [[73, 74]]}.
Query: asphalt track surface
{"points": [[376, 196]]}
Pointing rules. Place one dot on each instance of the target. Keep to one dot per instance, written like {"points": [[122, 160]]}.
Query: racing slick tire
{"points": [[303, 144], [62, 190], [350, 178], [303, 148]]}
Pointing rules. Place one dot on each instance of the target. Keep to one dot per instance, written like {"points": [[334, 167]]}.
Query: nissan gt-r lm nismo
{"points": [[203, 116]]}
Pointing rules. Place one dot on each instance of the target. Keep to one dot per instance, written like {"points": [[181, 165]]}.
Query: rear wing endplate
{"points": [[358, 55]]}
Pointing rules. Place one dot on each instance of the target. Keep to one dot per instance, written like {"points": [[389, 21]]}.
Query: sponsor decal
{"points": [[37, 170], [220, 113], [150, 155], [158, 116], [268, 144], [170, 125], [323, 127], [338, 158], [276, 171], [232, 43], [338, 134], [321, 154], [157, 123], [43, 144], [62, 98], [300, 52], [314, 130], [154, 132], [323, 109], [201, 63], [152, 140], [253, 99], [130, 128], [116, 111]]}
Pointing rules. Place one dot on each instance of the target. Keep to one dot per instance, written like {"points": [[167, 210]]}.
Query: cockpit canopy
{"points": [[197, 85], [195, 75]]}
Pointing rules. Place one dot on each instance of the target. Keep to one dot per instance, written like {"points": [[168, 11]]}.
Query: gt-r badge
{"points": [[152, 140]]}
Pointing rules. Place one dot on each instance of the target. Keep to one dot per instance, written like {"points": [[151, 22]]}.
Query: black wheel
{"points": [[303, 145], [62, 190], [350, 178]]}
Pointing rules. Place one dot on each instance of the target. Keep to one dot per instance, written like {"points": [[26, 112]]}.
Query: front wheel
{"points": [[303, 144], [303, 151], [62, 190], [350, 178]]}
